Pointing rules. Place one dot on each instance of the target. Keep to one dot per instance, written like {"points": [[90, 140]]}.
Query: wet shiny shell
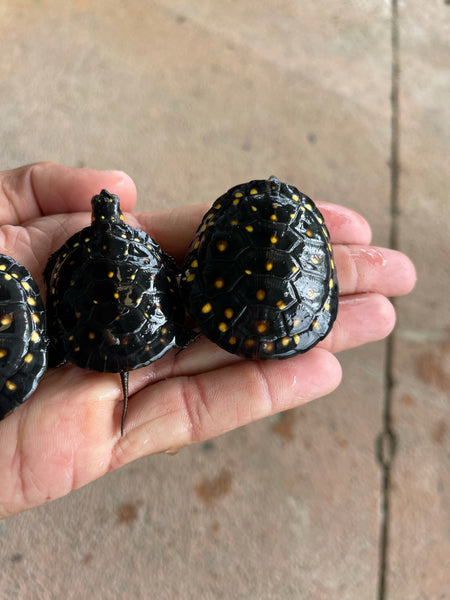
{"points": [[23, 343], [260, 279], [112, 297]]}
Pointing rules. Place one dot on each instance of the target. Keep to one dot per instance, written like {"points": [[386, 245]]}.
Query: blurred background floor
{"points": [[191, 97]]}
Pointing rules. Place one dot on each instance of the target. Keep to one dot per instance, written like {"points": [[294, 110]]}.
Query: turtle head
{"points": [[106, 208]]}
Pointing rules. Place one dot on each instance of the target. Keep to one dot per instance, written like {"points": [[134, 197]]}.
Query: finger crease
{"points": [[352, 270], [266, 393], [195, 404]]}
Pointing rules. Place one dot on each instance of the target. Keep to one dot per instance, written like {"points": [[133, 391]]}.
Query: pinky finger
{"points": [[362, 318], [186, 410]]}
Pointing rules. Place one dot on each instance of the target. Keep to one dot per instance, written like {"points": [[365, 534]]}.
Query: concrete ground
{"points": [[190, 97]]}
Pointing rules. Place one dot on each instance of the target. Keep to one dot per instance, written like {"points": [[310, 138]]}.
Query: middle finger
{"points": [[362, 269]]}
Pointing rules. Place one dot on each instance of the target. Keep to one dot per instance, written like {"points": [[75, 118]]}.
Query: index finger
{"points": [[174, 229], [47, 188]]}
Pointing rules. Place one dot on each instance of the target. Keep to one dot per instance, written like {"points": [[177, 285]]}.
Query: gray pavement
{"points": [[190, 97]]}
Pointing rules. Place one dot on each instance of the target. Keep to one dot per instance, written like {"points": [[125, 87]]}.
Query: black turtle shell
{"points": [[23, 342], [112, 295], [259, 279]]}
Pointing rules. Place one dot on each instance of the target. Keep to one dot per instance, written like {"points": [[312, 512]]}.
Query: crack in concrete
{"points": [[386, 440]]}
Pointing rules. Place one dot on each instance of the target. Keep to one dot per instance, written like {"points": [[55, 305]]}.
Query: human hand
{"points": [[68, 432]]}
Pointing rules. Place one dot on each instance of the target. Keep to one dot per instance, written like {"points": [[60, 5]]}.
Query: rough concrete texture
{"points": [[190, 97]]}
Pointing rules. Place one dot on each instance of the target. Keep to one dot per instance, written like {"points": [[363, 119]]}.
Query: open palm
{"points": [[68, 433]]}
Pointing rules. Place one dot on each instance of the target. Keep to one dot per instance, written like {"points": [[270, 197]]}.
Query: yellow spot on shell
{"points": [[294, 269], [228, 312], [238, 195], [6, 320], [253, 191], [2, 267], [326, 306], [194, 264], [206, 308], [249, 342], [31, 301], [16, 276], [221, 245], [219, 283], [234, 222], [190, 277], [236, 201], [295, 198], [332, 263], [296, 339], [269, 265], [91, 335], [308, 206], [249, 228], [223, 326], [35, 318], [3, 353], [309, 233], [111, 274], [116, 295], [28, 358], [273, 217], [35, 337], [285, 341], [331, 284], [232, 340], [8, 277], [316, 324], [260, 294], [262, 326], [197, 244], [274, 239], [267, 346], [10, 385], [281, 304], [248, 272], [254, 209], [311, 293]]}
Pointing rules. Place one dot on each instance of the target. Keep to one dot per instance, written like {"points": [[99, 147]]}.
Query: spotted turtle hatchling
{"points": [[23, 341], [259, 279], [113, 302]]}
